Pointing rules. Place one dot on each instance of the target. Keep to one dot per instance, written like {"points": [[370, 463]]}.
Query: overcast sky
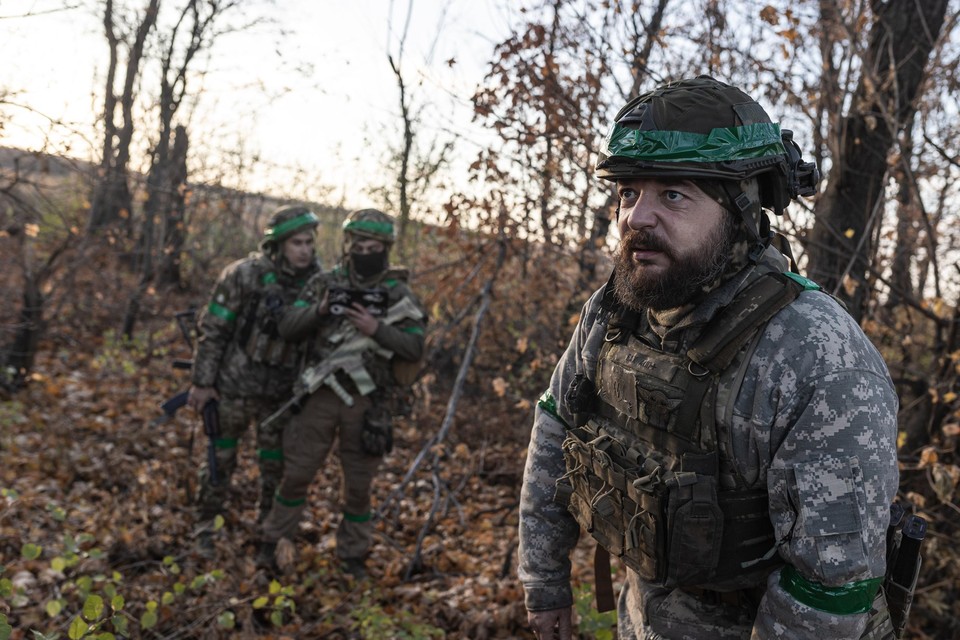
{"points": [[334, 121]]}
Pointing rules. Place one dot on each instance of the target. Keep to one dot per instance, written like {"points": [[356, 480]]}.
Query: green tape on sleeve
{"points": [[855, 597], [548, 404], [221, 312]]}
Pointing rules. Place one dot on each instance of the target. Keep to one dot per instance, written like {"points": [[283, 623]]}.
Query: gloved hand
{"points": [[556, 624]]}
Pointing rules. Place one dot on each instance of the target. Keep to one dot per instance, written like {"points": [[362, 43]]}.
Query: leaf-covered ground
{"points": [[96, 502]]}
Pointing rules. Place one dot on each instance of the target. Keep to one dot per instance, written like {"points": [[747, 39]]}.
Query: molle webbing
{"points": [[663, 511]]}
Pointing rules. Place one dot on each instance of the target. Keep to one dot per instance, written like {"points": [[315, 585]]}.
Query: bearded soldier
{"points": [[358, 357], [717, 423], [243, 363]]}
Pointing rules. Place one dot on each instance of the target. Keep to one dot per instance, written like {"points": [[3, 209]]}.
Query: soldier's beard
{"points": [[687, 276]]}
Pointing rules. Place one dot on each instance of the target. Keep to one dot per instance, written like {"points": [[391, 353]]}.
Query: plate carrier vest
{"points": [[643, 459]]}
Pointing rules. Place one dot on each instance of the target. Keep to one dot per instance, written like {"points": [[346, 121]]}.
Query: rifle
{"points": [[348, 358], [170, 406], [211, 427]]}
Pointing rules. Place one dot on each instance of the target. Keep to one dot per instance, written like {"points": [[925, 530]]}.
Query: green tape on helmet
{"points": [[369, 226], [760, 140], [288, 227]]}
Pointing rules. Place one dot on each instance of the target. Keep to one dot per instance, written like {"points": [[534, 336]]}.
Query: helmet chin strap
{"points": [[741, 202]]}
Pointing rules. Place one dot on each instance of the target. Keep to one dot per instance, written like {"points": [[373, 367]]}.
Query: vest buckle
{"points": [[697, 370]]}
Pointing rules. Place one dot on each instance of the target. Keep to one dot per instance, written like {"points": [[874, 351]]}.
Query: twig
{"points": [[469, 354]]}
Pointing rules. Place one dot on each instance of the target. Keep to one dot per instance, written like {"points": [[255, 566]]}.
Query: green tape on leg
{"points": [[295, 502], [270, 454], [364, 517]]}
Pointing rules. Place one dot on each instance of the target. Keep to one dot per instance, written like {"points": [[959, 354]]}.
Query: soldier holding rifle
{"points": [[364, 345]]}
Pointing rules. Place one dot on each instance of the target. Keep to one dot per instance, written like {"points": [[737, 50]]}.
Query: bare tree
{"points": [[111, 202], [902, 36], [416, 168]]}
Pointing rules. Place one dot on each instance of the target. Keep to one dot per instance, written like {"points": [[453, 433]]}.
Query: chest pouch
{"points": [[265, 346]]}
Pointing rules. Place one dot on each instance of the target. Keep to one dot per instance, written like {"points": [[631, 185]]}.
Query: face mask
{"points": [[369, 264]]}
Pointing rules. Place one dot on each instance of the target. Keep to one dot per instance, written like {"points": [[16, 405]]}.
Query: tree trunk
{"points": [[901, 39], [174, 231], [17, 357], [112, 204]]}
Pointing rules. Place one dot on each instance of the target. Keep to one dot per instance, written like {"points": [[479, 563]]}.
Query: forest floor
{"points": [[96, 501]]}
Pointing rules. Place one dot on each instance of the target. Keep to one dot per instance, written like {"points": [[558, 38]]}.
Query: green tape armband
{"points": [[723, 144], [225, 443], [855, 597], [270, 454], [269, 278], [221, 312], [301, 303], [806, 283], [352, 517], [548, 404], [414, 330]]}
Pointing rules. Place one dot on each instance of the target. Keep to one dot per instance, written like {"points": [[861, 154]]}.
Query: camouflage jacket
{"points": [[404, 339], [813, 421], [247, 299]]}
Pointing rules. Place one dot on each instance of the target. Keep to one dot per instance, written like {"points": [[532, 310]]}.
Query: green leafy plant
{"points": [[276, 603], [593, 624], [374, 623]]}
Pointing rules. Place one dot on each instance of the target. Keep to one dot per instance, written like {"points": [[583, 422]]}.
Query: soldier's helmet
{"points": [[701, 128], [371, 224], [288, 221]]}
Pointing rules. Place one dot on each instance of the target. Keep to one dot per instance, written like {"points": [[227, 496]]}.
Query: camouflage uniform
{"points": [[325, 416], [810, 418], [240, 353]]}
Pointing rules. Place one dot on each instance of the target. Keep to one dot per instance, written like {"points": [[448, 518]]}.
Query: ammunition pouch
{"points": [[377, 434], [261, 338], [674, 528]]}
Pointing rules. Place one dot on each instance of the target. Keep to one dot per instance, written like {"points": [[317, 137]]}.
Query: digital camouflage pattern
{"points": [[813, 421], [239, 351]]}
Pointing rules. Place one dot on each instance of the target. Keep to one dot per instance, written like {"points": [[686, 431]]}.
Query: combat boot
{"points": [[267, 557], [204, 545], [356, 567]]}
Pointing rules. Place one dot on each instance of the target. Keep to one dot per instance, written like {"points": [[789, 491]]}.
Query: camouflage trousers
{"points": [[236, 414], [307, 440]]}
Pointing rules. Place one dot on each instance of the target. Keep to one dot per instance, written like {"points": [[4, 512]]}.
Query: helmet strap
{"points": [[740, 201]]}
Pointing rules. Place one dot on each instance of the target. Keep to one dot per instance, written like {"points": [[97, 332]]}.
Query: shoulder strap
{"points": [[736, 323]]}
